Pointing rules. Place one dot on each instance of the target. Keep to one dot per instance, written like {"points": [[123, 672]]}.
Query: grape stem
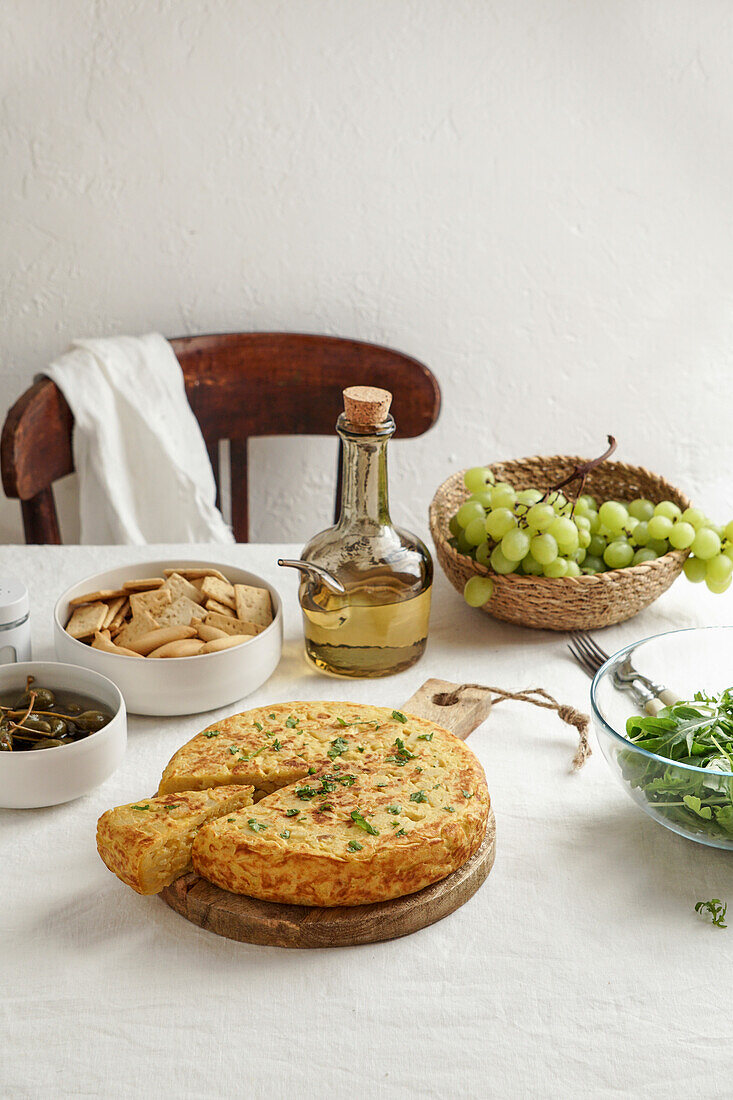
{"points": [[581, 472]]}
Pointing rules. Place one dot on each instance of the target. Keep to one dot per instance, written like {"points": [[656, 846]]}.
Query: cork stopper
{"points": [[366, 406]]}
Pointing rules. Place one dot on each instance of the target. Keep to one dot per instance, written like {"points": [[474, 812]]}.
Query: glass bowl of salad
{"points": [[676, 765]]}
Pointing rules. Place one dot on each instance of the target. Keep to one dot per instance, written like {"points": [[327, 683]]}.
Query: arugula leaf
{"points": [[358, 818], [697, 732], [716, 909]]}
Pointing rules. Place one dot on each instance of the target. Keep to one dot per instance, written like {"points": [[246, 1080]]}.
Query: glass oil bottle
{"points": [[365, 585]]}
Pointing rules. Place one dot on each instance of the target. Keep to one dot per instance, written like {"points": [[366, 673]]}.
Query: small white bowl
{"points": [[175, 685], [50, 776]]}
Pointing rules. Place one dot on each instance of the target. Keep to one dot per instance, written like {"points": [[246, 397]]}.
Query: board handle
{"points": [[462, 715]]}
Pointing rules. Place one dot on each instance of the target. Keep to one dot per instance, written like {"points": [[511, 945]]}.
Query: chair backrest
{"points": [[239, 385]]}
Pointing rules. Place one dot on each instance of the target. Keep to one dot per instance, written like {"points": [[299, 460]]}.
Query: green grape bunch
{"points": [[538, 534]]}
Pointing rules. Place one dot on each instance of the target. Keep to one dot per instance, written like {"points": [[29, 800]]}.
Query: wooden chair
{"points": [[239, 385]]}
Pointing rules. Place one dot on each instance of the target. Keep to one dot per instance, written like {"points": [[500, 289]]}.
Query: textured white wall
{"points": [[533, 197]]}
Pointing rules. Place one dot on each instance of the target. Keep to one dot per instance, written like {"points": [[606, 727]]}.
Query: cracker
{"points": [[121, 615], [192, 574], [230, 625], [87, 620], [178, 586], [253, 604], [181, 612], [141, 624], [95, 597], [221, 591], [146, 584], [152, 602], [220, 608], [112, 608], [210, 633]]}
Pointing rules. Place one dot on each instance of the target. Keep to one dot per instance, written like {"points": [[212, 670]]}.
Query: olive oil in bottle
{"points": [[365, 585]]}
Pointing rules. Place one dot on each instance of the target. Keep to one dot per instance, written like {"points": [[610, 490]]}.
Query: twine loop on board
{"points": [[538, 697]]}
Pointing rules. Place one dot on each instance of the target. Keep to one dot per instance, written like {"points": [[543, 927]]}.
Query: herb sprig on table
{"points": [[716, 910], [698, 732]]}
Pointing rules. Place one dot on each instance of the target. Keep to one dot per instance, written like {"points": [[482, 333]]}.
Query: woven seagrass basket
{"points": [[564, 603]]}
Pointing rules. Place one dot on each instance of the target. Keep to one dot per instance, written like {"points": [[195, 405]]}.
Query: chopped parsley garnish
{"points": [[425, 737], [292, 813], [354, 846], [338, 746], [272, 716], [250, 755], [285, 834], [347, 780], [276, 745], [230, 819], [324, 806], [466, 794], [358, 818], [255, 825], [171, 805], [450, 809], [305, 792], [341, 721], [402, 755], [400, 832], [292, 723], [145, 807], [398, 716], [312, 771], [418, 796], [258, 726], [327, 785], [211, 733], [394, 809], [234, 749], [360, 748]]}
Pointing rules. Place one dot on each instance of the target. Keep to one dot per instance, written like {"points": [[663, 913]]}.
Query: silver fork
{"points": [[647, 693]]}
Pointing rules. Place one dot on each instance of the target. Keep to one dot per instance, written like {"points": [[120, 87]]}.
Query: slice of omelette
{"points": [[148, 843]]}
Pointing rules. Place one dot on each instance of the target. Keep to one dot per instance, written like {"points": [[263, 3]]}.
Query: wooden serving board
{"points": [[274, 925]]}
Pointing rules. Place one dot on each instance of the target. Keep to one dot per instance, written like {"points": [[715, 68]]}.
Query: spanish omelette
{"points": [[314, 766]]}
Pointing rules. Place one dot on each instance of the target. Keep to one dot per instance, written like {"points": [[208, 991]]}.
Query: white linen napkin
{"points": [[144, 472]]}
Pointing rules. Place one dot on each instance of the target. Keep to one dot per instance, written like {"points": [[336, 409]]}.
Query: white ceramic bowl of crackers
{"points": [[177, 637]]}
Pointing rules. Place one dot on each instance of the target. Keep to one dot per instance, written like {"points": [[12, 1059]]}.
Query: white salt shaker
{"points": [[15, 627]]}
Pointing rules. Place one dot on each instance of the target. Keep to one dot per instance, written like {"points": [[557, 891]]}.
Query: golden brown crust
{"points": [[147, 844], [420, 789]]}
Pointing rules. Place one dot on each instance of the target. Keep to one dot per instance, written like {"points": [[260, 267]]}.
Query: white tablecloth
{"points": [[579, 969]]}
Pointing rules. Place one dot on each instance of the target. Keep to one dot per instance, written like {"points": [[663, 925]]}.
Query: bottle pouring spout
{"points": [[315, 573]]}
